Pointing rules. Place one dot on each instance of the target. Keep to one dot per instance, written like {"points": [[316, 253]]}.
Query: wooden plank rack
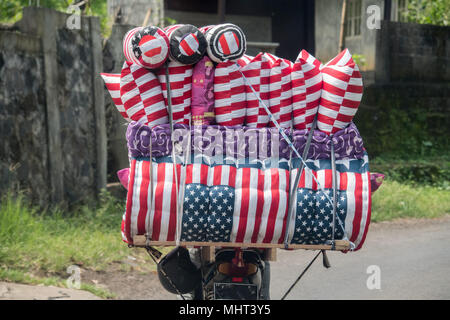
{"points": [[340, 245]]}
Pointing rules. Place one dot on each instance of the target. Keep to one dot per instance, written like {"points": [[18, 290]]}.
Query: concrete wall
{"points": [[134, 12], [327, 30], [413, 53], [52, 108]]}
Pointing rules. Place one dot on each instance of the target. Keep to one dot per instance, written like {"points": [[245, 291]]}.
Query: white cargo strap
{"points": [[148, 236], [296, 182], [174, 161]]}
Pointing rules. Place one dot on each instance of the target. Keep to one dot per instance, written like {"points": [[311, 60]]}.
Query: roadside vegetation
{"points": [[37, 247]]}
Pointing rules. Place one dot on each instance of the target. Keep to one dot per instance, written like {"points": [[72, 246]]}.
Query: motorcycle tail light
{"points": [[226, 268], [236, 279]]}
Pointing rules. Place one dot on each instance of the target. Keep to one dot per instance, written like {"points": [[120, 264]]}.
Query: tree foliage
{"points": [[429, 12], [11, 10]]}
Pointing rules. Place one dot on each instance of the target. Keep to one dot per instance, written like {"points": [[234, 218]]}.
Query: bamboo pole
{"points": [[342, 31]]}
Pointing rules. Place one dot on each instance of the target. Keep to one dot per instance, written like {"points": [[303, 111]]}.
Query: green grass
{"points": [[39, 246], [51, 241], [396, 200]]}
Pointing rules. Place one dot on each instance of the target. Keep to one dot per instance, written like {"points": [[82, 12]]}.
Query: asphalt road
{"points": [[413, 257]]}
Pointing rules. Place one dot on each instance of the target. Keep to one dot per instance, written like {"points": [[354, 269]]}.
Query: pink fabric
{"points": [[124, 175], [376, 179], [202, 106]]}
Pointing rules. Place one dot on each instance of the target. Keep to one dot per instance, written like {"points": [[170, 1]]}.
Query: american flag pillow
{"points": [[247, 204], [180, 79], [341, 93], [221, 203], [280, 87], [229, 94], [150, 47], [306, 72], [112, 82], [128, 46], [257, 72], [141, 95]]}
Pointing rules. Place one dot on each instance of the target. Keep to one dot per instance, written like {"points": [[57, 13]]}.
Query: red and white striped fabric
{"points": [[298, 97], [310, 68], [160, 208], [141, 95], [244, 60], [205, 29], [128, 46], [353, 182], [187, 43], [259, 200], [257, 72], [150, 47], [259, 209], [229, 94], [341, 93], [169, 29], [180, 78], [280, 87], [261, 205], [112, 82]]}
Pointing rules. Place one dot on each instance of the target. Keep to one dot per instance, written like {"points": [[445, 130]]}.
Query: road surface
{"points": [[413, 257]]}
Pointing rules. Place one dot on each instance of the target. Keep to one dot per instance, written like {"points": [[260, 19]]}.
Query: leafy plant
{"points": [[11, 10], [359, 59], [435, 12]]}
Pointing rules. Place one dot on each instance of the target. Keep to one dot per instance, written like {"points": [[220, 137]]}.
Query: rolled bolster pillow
{"points": [[150, 47], [187, 44], [128, 47], [226, 42]]}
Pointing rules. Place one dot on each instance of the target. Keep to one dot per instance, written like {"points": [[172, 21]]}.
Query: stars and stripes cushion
{"points": [[280, 88], [244, 205], [341, 93], [306, 69], [247, 204], [187, 43], [141, 95], [112, 82], [128, 46], [150, 47], [226, 42], [257, 72], [313, 219], [229, 94], [180, 79]]}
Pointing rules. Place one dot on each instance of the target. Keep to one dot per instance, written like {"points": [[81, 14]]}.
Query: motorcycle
{"points": [[216, 274]]}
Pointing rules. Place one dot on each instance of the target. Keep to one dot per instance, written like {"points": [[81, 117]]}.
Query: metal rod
{"points": [[301, 275]]}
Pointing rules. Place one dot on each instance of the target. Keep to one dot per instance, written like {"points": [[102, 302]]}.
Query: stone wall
{"points": [[405, 120], [413, 53], [116, 125], [23, 150], [52, 108]]}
